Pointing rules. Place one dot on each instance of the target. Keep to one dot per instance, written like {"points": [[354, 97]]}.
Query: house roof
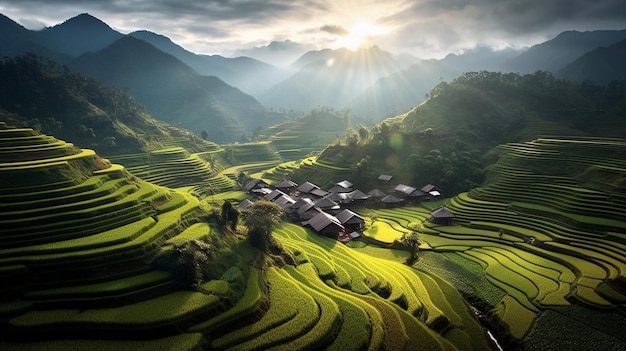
{"points": [[339, 189], [319, 192], [391, 199], [261, 191], [338, 197], [306, 187], [385, 177], [245, 203], [284, 201], [376, 193], [404, 189], [256, 183], [306, 205], [273, 195], [442, 213], [358, 195], [344, 184], [286, 184], [428, 188], [323, 220], [347, 216], [327, 204], [434, 193], [417, 193]]}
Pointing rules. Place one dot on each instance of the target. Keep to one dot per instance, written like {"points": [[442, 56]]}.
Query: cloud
{"points": [[426, 28], [336, 30]]}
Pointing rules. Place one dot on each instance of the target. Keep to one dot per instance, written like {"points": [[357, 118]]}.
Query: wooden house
{"points": [[442, 216], [286, 186], [350, 220], [325, 224]]}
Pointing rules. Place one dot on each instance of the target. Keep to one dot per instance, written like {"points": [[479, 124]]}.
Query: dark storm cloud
{"points": [[336, 30]]}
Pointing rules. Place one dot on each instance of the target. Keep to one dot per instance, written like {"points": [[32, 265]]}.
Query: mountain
{"points": [[399, 92], [17, 40], [80, 34], [38, 93], [553, 55], [278, 53], [602, 65], [330, 78], [174, 92], [446, 140], [247, 74]]}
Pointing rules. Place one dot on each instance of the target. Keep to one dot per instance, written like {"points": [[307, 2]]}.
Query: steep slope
{"points": [[556, 53], [446, 139], [602, 65], [54, 100], [249, 75], [17, 40], [80, 34], [174, 92]]}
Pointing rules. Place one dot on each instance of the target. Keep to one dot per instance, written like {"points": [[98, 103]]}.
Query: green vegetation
{"points": [[149, 253]]}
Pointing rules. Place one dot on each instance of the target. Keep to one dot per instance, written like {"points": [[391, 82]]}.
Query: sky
{"points": [[423, 28]]}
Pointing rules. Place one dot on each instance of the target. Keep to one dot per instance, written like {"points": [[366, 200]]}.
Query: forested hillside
{"points": [[446, 139], [52, 99]]}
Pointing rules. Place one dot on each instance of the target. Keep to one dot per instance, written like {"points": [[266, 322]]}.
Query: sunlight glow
{"points": [[361, 35]]}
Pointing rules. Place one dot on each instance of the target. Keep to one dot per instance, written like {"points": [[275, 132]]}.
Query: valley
{"points": [[467, 209]]}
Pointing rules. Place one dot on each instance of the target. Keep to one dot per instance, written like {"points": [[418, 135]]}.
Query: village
{"points": [[330, 212]]}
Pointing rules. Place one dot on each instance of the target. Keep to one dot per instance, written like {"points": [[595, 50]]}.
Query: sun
{"points": [[361, 35]]}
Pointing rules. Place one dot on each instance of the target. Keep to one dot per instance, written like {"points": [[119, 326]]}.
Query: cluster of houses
{"points": [[329, 212]]}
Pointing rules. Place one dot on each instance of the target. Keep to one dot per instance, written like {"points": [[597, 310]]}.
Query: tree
{"points": [[229, 215], [189, 263], [204, 134], [411, 240], [262, 217]]}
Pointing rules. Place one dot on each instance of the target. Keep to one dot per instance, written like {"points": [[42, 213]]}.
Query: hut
{"points": [[431, 191], [442, 216], [385, 178], [343, 186], [306, 187], [274, 195], [325, 224], [391, 200], [244, 204], [350, 220], [305, 208], [255, 184], [326, 204], [286, 186], [376, 194]]}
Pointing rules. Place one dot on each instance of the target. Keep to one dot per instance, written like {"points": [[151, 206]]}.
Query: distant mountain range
{"points": [[372, 83], [170, 89]]}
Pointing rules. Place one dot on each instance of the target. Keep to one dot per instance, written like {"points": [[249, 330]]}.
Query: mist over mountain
{"points": [[250, 75], [602, 65], [372, 83], [38, 93], [556, 53], [174, 92], [331, 78], [279, 53]]}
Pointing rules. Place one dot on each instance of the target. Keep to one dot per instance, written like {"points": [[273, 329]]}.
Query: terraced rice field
{"points": [[542, 230], [408, 305], [76, 251]]}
